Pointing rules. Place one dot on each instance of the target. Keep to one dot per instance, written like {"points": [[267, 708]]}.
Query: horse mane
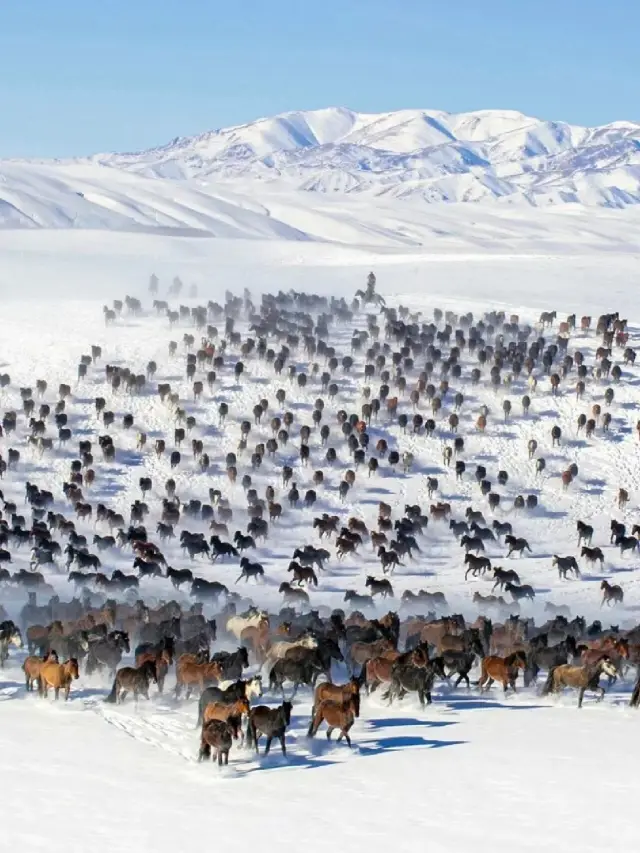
{"points": [[511, 659]]}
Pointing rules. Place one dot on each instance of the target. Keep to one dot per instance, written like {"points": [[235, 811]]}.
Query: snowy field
{"points": [[515, 773]]}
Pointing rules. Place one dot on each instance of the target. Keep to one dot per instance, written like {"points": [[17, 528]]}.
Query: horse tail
{"points": [[316, 720], [549, 683], [361, 678], [201, 706], [112, 698]]}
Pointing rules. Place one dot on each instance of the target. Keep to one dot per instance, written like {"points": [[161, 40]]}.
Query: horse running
{"points": [[131, 679]]}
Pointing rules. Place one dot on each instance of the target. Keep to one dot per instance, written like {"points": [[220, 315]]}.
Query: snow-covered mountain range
{"points": [[425, 154], [279, 177]]}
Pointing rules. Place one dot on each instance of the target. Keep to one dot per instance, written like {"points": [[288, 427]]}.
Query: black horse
{"points": [[305, 671], [271, 722], [409, 678], [232, 663], [9, 636], [106, 653]]}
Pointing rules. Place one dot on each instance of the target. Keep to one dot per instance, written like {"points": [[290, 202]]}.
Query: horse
{"points": [[9, 636], [415, 674], [231, 714], [379, 670], [304, 671], [216, 735], [476, 565], [518, 592], [592, 555], [32, 666], [162, 653], [503, 577], [279, 649], [236, 624], [232, 663], [611, 593], [360, 652], [190, 673], [133, 679], [516, 544], [584, 678], [59, 676], [504, 670], [238, 690], [337, 715], [271, 722], [458, 663], [107, 651], [567, 564], [335, 692]]}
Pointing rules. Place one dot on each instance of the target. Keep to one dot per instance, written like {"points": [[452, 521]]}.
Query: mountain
{"points": [[335, 175], [424, 154]]}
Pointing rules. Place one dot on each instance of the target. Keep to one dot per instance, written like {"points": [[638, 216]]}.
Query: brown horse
{"points": [[360, 653], [162, 659], [231, 714], [326, 691], [133, 679], [582, 677], [217, 735], [504, 670], [379, 670], [190, 674], [256, 637], [337, 715], [59, 676], [32, 667]]}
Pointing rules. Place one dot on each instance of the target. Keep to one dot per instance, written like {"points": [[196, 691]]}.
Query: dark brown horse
{"points": [[611, 594], [231, 713], [215, 741], [271, 722], [133, 679]]}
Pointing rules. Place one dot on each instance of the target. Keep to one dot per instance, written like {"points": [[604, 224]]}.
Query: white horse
{"points": [[279, 649], [236, 624]]}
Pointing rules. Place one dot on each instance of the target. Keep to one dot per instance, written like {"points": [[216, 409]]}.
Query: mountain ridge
{"points": [[424, 154]]}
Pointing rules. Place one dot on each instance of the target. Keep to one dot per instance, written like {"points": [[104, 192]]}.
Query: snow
{"points": [[471, 769], [337, 150], [515, 773]]}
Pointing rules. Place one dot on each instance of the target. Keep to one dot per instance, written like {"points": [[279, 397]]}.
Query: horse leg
{"points": [[329, 732], [123, 695], [581, 696], [268, 746], [282, 743], [56, 693]]}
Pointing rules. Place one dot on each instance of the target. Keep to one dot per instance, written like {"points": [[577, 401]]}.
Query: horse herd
{"points": [[77, 533]]}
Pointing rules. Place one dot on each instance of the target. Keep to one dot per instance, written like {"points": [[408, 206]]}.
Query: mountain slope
{"points": [[427, 154]]}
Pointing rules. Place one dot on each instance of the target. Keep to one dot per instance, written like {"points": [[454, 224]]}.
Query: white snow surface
{"points": [[516, 773]]}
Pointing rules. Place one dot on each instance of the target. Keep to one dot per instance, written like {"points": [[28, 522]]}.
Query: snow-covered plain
{"points": [[514, 773]]}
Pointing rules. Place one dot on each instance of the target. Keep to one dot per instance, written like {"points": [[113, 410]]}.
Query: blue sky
{"points": [[79, 77]]}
